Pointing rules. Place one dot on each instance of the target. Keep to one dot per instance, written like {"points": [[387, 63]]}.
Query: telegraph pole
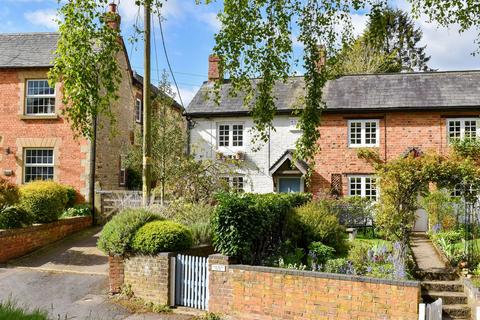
{"points": [[147, 110]]}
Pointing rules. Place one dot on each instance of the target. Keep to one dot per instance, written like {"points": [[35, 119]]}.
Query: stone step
{"points": [[436, 276], [456, 311], [447, 297], [452, 286]]}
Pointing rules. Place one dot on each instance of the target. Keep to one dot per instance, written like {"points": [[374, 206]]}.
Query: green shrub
{"points": [[358, 256], [339, 265], [320, 253], [9, 193], [196, 216], [79, 210], [14, 217], [249, 226], [317, 221], [117, 235], [162, 236], [44, 200], [10, 310], [71, 196]]}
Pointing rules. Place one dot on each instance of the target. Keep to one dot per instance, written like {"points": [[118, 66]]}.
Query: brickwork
{"points": [[398, 132], [115, 273], [18, 242], [149, 277], [246, 292]]}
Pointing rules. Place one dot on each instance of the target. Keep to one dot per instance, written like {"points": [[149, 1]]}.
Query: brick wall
{"points": [[149, 277], [398, 132], [246, 292], [18, 242]]}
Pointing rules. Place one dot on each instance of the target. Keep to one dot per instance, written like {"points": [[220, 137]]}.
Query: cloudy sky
{"points": [[189, 31]]}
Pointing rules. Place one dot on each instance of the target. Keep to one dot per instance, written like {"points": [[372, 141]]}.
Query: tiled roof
{"points": [[23, 50], [396, 91]]}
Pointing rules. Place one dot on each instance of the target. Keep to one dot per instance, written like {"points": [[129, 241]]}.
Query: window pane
{"points": [[355, 133], [40, 97], [138, 111], [355, 186], [370, 132], [237, 184], [470, 129], [454, 130], [223, 135], [237, 135], [370, 188], [38, 164]]}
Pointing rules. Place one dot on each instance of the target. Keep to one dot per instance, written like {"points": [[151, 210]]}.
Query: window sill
{"points": [[362, 146], [39, 117]]}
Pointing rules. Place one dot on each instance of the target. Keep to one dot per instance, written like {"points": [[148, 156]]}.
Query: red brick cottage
{"points": [[36, 141]]}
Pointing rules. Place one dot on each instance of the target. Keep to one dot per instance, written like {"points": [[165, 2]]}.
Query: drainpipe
{"points": [[93, 164]]}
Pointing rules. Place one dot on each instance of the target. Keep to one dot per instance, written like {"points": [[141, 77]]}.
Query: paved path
{"points": [[69, 280], [425, 254], [77, 254]]}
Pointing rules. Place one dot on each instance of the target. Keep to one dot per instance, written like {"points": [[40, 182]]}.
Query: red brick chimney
{"points": [[215, 72], [113, 18], [322, 57]]}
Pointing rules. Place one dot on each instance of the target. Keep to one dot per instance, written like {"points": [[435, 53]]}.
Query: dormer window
{"points": [[40, 98]]}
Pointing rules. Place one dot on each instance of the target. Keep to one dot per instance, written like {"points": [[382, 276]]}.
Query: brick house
{"points": [[394, 113], [36, 140]]}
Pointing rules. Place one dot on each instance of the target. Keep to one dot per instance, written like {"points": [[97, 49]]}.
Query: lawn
{"points": [[9, 310]]}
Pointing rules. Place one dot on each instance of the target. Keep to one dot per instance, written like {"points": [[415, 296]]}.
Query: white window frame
{"points": [[229, 180], [26, 165], [462, 127], [122, 178], [48, 96], [230, 145], [363, 185], [138, 113], [363, 144], [293, 125]]}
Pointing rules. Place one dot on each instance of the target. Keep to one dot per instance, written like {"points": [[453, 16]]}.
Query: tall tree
{"points": [[393, 32]]}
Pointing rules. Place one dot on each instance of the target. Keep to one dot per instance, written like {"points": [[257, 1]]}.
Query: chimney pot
{"points": [[215, 72], [112, 17]]}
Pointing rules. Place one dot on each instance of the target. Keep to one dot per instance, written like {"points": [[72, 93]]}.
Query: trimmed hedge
{"points": [[44, 200], [117, 235], [14, 217], [162, 236], [248, 227]]}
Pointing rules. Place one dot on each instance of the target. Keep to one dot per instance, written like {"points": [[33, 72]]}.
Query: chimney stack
{"points": [[322, 57], [215, 71], [113, 18]]}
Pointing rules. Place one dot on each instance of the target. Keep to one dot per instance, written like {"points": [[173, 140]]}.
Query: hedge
{"points": [[248, 227]]}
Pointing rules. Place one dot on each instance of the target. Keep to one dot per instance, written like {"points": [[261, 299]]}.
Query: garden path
{"points": [[425, 254]]}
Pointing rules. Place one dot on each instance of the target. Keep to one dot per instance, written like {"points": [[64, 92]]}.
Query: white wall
{"points": [[256, 166]]}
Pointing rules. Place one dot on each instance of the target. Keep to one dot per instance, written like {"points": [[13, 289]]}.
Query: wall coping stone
{"points": [[36, 227], [315, 274]]}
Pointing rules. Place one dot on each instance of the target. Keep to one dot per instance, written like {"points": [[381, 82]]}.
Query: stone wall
{"points": [[18, 242], [247, 292]]}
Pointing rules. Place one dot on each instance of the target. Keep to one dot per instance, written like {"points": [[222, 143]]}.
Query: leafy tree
{"points": [[86, 63], [361, 57], [168, 140], [393, 32]]}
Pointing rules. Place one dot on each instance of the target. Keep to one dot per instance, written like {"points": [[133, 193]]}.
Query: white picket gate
{"points": [[191, 281], [431, 311]]}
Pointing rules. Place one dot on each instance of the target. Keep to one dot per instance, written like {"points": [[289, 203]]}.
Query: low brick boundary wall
{"points": [[147, 276], [250, 292], [18, 242]]}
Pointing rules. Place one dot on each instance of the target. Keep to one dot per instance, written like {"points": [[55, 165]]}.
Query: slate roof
{"points": [[25, 50], [373, 92]]}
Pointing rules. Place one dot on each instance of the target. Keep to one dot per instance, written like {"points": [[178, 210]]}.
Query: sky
{"points": [[189, 31]]}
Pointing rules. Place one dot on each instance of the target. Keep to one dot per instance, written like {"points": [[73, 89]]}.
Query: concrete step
{"points": [[436, 276], [448, 298], [451, 286], [456, 311]]}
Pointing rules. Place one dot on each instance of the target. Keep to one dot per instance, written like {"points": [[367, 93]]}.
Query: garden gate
{"points": [[191, 281]]}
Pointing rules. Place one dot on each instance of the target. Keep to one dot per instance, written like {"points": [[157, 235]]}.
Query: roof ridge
{"points": [[29, 33]]}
